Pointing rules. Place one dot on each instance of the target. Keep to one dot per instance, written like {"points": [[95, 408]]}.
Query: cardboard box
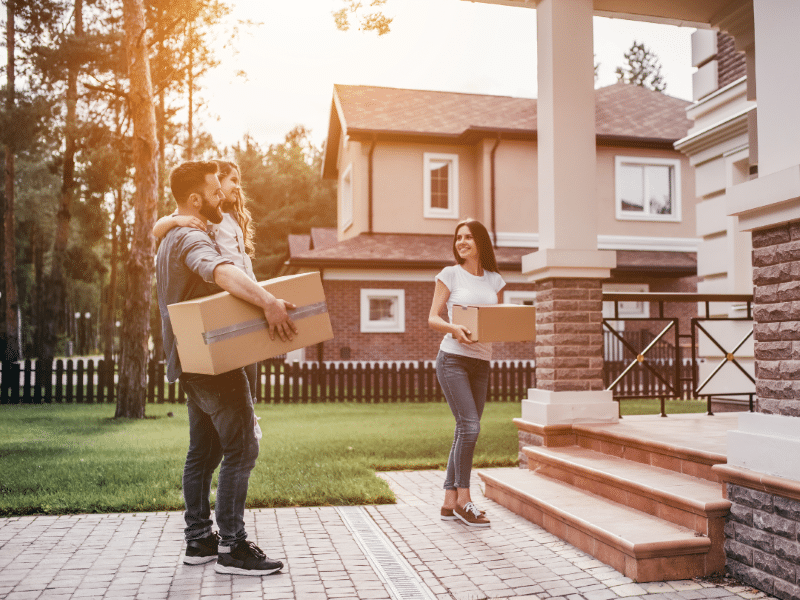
{"points": [[497, 322], [219, 333]]}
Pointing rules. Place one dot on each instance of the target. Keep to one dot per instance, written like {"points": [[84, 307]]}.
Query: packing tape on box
{"points": [[232, 331]]}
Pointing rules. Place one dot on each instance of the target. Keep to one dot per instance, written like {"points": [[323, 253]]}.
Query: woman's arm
{"points": [[435, 321], [164, 224]]}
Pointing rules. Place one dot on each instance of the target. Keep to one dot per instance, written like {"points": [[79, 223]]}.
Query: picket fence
{"points": [[93, 381]]}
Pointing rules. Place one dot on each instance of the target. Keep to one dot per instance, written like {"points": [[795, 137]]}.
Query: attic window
{"points": [[440, 186], [648, 189]]}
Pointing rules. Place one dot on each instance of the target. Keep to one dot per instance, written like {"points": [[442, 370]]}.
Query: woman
{"points": [[462, 365], [233, 235]]}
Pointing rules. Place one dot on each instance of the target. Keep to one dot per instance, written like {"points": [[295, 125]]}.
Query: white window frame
{"points": [[645, 160], [512, 296], [429, 211], [346, 187], [396, 326]]}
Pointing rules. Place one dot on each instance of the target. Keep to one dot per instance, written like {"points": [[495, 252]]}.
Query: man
{"points": [[221, 418]]}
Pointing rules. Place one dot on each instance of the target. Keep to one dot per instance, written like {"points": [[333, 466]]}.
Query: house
{"points": [[749, 184], [410, 164]]}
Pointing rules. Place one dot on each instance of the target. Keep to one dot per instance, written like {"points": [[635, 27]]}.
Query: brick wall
{"points": [[776, 310], [418, 342], [569, 338], [731, 64], [762, 541]]}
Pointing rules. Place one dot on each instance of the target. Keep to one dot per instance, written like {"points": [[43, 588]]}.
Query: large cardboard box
{"points": [[497, 322], [219, 333]]}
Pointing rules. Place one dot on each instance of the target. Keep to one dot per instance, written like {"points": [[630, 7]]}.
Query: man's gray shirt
{"points": [[185, 266]]}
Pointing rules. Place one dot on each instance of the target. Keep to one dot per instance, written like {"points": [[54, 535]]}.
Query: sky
{"points": [[293, 59]]}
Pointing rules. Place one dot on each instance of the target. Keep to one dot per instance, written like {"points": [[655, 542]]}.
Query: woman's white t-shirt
{"points": [[466, 288], [230, 241]]}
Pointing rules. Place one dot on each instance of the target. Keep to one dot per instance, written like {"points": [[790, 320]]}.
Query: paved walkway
{"points": [[139, 556]]}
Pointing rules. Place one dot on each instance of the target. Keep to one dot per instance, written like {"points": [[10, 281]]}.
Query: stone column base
{"points": [[544, 407]]}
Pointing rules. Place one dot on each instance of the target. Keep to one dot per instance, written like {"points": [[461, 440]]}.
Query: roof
{"points": [[418, 251], [625, 113]]}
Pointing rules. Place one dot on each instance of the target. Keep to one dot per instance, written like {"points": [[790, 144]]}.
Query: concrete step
{"points": [[639, 545], [629, 443], [684, 500]]}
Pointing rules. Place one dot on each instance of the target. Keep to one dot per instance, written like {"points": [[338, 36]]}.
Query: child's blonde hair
{"points": [[242, 214]]}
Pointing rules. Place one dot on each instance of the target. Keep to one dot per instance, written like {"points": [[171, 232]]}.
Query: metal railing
{"points": [[675, 376]]}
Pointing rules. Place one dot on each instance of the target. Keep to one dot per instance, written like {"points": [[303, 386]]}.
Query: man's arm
{"points": [[234, 281]]}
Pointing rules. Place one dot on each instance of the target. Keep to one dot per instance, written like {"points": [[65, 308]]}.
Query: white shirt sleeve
{"points": [[446, 277], [497, 282]]}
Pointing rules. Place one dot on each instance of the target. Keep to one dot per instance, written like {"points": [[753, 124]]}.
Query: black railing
{"points": [[649, 367], [94, 381]]}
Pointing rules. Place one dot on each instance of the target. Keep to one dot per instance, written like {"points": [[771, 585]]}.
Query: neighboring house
{"points": [[718, 147], [410, 164]]}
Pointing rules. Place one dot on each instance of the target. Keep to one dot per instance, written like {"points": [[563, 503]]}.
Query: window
{"points": [[648, 189], [627, 310], [440, 186], [524, 297], [383, 311], [347, 197]]}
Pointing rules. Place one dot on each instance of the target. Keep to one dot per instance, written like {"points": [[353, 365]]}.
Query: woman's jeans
{"points": [[221, 428], [464, 381]]}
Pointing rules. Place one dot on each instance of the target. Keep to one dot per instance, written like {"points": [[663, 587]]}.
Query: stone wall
{"points": [[762, 541], [569, 335], [776, 310]]}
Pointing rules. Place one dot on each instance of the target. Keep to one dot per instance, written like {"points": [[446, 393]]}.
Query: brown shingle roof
{"points": [[621, 111], [409, 251]]}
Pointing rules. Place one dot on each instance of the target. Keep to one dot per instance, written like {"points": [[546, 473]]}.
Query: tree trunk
{"points": [[158, 341], [139, 270], [12, 350], [190, 83], [56, 286], [111, 296]]}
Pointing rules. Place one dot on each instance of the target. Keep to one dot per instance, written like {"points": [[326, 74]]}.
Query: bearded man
{"points": [[221, 417]]}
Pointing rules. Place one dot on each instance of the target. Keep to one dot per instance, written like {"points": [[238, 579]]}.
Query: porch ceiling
{"points": [[690, 13]]}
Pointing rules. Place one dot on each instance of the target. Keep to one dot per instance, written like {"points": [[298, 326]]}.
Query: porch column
{"points": [[763, 473], [567, 268]]}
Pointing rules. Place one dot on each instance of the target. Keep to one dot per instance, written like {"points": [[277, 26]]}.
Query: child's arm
{"points": [[164, 224]]}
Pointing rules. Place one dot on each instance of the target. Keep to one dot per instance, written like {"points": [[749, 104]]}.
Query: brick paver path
{"points": [[139, 556]]}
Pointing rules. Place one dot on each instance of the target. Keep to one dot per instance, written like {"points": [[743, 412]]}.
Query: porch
{"points": [[641, 495]]}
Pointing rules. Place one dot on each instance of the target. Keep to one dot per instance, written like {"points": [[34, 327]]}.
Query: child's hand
{"points": [[188, 221]]}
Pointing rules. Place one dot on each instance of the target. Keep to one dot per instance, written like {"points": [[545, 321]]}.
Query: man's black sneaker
{"points": [[245, 558], [201, 551]]}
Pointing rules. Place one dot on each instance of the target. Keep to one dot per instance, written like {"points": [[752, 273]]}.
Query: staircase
{"points": [[651, 509]]}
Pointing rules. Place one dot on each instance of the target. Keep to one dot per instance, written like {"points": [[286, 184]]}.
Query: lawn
{"points": [[77, 459]]}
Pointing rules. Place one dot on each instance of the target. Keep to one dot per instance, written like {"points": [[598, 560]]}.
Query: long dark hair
{"points": [[482, 241]]}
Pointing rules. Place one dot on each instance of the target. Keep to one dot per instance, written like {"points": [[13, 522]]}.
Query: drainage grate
{"points": [[399, 576]]}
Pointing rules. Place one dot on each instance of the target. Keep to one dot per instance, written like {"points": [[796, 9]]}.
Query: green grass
{"points": [[652, 406], [78, 459]]}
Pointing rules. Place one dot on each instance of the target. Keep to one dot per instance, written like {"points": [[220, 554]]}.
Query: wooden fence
{"points": [[641, 382], [94, 381]]}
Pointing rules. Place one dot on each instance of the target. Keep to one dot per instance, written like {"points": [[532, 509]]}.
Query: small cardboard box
{"points": [[219, 333], [497, 322]]}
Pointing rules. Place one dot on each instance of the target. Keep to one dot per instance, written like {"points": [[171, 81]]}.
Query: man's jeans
{"points": [[221, 428], [464, 381]]}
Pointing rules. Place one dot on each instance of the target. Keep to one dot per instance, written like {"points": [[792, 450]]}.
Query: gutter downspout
{"points": [[369, 178], [493, 200]]}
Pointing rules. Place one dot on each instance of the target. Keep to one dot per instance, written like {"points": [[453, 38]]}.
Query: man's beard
{"points": [[213, 214]]}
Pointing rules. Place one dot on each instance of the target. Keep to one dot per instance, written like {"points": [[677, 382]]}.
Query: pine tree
{"points": [[642, 68]]}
